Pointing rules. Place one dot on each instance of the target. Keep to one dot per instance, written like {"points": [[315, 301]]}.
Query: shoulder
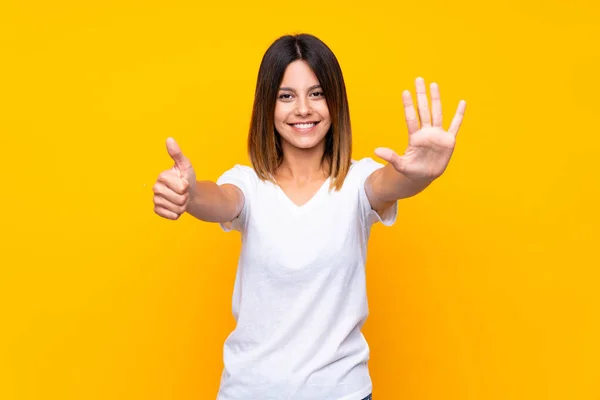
{"points": [[242, 176], [239, 171], [361, 169]]}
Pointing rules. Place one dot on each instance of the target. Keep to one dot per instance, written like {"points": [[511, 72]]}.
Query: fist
{"points": [[173, 188]]}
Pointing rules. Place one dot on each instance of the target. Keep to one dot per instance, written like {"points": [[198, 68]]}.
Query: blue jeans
{"points": [[369, 397]]}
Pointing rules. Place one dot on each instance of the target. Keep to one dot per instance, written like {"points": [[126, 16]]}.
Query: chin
{"points": [[306, 146], [306, 143]]}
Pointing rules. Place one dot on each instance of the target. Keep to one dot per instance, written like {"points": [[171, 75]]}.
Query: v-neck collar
{"points": [[310, 201]]}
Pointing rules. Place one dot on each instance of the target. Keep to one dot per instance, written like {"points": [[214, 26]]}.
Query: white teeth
{"points": [[304, 126]]}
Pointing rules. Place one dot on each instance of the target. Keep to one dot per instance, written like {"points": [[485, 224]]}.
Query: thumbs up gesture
{"points": [[174, 186]]}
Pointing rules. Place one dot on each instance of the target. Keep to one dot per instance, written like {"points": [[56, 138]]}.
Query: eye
{"points": [[282, 96], [318, 94]]}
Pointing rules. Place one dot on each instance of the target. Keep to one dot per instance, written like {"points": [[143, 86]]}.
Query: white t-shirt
{"points": [[299, 297]]}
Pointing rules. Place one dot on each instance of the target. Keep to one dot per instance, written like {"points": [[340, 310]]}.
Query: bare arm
{"points": [[385, 186], [429, 150], [177, 191], [213, 203]]}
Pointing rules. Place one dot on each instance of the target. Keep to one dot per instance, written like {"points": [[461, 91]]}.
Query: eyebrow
{"points": [[292, 90]]}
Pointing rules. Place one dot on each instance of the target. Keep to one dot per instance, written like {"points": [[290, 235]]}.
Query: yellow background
{"points": [[486, 288]]}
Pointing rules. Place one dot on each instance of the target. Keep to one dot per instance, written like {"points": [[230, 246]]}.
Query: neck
{"points": [[302, 164]]}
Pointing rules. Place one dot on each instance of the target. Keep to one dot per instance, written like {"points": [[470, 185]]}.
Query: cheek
{"points": [[324, 112], [278, 116], [326, 129], [281, 114]]}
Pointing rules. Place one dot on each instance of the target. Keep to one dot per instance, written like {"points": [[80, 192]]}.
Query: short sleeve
{"points": [[244, 178], [364, 168]]}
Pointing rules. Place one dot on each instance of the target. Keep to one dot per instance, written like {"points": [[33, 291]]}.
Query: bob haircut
{"points": [[264, 142]]}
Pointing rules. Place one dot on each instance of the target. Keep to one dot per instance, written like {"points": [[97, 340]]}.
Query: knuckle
{"points": [[166, 176]]}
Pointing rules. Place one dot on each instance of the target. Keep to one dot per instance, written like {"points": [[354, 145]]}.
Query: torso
{"points": [[299, 297], [300, 193]]}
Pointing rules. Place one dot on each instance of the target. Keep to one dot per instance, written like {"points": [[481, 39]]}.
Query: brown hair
{"points": [[264, 142]]}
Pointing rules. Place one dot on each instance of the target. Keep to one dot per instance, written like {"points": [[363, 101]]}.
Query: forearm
{"points": [[210, 203], [388, 185]]}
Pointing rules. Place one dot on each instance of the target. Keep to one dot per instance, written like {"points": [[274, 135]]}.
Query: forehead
{"points": [[299, 75]]}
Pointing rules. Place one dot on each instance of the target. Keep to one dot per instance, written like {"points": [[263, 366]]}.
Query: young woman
{"points": [[305, 210]]}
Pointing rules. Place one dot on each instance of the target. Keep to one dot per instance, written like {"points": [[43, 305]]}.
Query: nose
{"points": [[303, 107]]}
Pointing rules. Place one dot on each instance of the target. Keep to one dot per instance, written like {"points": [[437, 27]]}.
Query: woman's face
{"points": [[301, 114]]}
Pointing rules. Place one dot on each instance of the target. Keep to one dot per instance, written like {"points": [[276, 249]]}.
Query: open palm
{"points": [[430, 147]]}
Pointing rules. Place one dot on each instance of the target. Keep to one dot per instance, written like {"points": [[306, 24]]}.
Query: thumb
{"points": [[390, 156], [181, 161]]}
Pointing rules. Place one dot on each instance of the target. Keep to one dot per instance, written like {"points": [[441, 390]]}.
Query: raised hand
{"points": [[430, 147], [173, 187]]}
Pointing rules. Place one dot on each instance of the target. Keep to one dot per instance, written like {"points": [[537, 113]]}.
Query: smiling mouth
{"points": [[305, 125]]}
